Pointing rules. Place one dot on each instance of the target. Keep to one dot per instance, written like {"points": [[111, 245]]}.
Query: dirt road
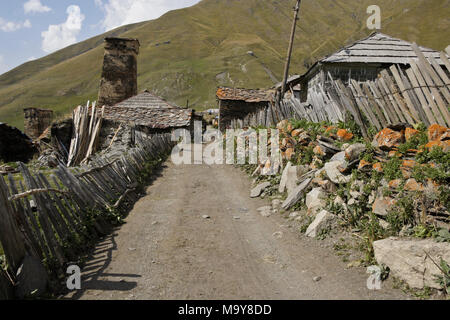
{"points": [[168, 250]]}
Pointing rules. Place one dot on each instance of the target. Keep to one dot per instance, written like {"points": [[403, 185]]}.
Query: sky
{"points": [[31, 29]]}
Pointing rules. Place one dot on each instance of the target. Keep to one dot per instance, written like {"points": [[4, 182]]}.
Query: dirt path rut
{"points": [[167, 250]]}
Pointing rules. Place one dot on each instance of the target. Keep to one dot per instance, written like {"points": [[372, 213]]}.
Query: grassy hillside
{"points": [[208, 47]]}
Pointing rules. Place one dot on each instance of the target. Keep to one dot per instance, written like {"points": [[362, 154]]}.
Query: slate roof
{"points": [[247, 95], [146, 109], [379, 48]]}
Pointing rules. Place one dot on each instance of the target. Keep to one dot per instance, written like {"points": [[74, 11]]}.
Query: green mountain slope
{"points": [[208, 47]]}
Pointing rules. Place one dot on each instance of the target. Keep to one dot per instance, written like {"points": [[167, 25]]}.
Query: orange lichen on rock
{"points": [[363, 164], [378, 167], [435, 132], [410, 133], [413, 185], [289, 153], [344, 135], [394, 184], [296, 132], [318, 150], [388, 139]]}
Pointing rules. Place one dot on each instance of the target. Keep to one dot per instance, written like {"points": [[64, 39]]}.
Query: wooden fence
{"points": [[50, 217], [418, 93]]}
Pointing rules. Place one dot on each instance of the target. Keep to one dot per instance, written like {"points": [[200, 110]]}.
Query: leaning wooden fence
{"points": [[46, 216], [418, 93]]}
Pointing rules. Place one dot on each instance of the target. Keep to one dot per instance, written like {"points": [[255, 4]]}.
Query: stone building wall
{"points": [[119, 75], [36, 121]]}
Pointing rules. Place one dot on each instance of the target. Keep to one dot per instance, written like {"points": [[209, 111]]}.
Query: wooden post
{"points": [[288, 59]]}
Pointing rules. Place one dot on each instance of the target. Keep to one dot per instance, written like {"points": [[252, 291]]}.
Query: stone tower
{"points": [[119, 75], [36, 121]]}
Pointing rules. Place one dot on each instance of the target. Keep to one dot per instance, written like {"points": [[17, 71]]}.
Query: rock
{"points": [[31, 278], [289, 153], [294, 214], [344, 135], [296, 133], [206, 217], [413, 185], [318, 150], [339, 200], [276, 204], [436, 131], [270, 168], [410, 133], [345, 146], [258, 190], [323, 221], [317, 279], [354, 151], [378, 167], [265, 211], [401, 126], [277, 235], [363, 164], [382, 205], [296, 194], [445, 145], [340, 156], [315, 201], [384, 224], [408, 261], [289, 173], [327, 186], [333, 173], [387, 139], [394, 184]]}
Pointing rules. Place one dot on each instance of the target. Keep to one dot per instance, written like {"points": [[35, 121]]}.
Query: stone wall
{"points": [[234, 109], [119, 75], [36, 121], [15, 145]]}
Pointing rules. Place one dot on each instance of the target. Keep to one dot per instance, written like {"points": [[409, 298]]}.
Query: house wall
{"points": [[343, 72], [233, 109], [36, 121]]}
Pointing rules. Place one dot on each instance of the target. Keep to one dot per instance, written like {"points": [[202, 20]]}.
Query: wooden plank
{"points": [[432, 80], [415, 100], [383, 101], [10, 234], [421, 97], [404, 93], [391, 103], [398, 98], [376, 106], [445, 61], [22, 218], [361, 99], [428, 94]]}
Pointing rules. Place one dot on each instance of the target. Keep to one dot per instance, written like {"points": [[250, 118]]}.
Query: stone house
{"points": [[237, 103]]}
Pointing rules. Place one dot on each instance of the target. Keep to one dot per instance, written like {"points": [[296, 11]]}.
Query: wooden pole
{"points": [[288, 59]]}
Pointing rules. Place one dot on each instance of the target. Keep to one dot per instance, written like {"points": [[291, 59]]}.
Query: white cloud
{"points": [[33, 6], [3, 66], [122, 12], [10, 26], [65, 34]]}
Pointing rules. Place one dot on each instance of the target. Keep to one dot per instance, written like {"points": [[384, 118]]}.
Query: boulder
{"points": [[288, 178], [340, 156], [382, 205], [354, 151], [387, 139], [344, 135], [323, 221], [409, 260], [435, 132], [315, 200], [31, 278], [259, 189], [333, 173], [296, 194]]}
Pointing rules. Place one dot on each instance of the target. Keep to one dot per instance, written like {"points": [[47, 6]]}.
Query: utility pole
{"points": [[288, 59]]}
